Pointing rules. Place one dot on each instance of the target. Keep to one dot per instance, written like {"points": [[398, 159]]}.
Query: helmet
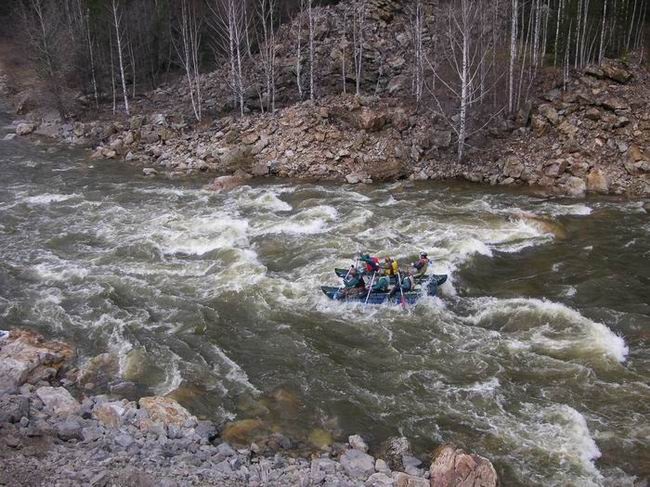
{"points": [[423, 254]]}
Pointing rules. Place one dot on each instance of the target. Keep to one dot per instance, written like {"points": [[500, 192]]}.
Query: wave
{"points": [[551, 328], [47, 198]]}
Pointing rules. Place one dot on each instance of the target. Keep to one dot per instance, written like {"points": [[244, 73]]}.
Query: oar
{"points": [[372, 281], [401, 291]]}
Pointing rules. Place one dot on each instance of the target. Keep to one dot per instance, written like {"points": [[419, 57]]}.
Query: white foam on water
{"points": [[558, 209], [389, 202], [173, 376], [47, 198], [551, 327], [270, 201], [235, 373], [201, 234], [558, 435], [307, 222], [60, 270]]}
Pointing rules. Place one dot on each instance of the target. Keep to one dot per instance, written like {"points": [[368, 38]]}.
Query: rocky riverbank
{"points": [[52, 433], [588, 135]]}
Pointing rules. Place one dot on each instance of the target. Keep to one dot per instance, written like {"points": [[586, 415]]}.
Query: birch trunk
{"points": [[118, 35]]}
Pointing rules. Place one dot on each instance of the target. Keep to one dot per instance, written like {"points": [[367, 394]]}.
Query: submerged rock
{"points": [[241, 432], [320, 438]]}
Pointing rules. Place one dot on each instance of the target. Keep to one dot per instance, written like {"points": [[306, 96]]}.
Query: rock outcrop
{"points": [[27, 358], [453, 467]]}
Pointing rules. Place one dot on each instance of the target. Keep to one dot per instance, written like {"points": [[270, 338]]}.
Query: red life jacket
{"points": [[373, 265]]}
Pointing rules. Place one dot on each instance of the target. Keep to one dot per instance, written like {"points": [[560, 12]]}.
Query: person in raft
{"points": [[391, 267], [382, 285], [421, 265], [407, 283], [372, 264], [353, 284]]}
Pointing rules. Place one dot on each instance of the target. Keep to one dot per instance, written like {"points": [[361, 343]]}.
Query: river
{"points": [[536, 353]]}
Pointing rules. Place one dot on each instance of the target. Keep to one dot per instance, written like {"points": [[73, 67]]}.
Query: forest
{"points": [[462, 55]]}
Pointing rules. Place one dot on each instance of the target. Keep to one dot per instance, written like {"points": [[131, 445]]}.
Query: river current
{"points": [[536, 353]]}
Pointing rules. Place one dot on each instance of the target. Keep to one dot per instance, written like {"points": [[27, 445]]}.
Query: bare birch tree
{"points": [[301, 16], [358, 31], [228, 21], [513, 54], [117, 18], [417, 31], [187, 44], [310, 15], [265, 12]]}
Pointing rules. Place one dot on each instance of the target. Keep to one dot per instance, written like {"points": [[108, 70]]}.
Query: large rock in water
{"points": [[26, 357], [226, 183], [452, 467], [25, 128]]}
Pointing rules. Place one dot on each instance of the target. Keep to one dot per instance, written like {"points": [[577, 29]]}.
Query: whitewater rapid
{"points": [[215, 298]]}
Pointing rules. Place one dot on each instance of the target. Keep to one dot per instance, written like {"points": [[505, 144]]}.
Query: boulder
{"points": [[239, 157], [574, 187], [226, 183], [149, 171], [250, 139], [25, 128], [380, 480], [406, 480], [357, 464], [555, 168], [453, 467], [597, 182], [392, 452], [69, 429], [593, 114], [167, 411], [13, 408], [370, 120], [579, 168], [549, 113], [616, 72], [568, 129], [512, 167], [58, 401], [26, 357], [260, 168], [358, 443], [635, 154], [614, 103], [112, 414], [354, 178], [388, 169]]}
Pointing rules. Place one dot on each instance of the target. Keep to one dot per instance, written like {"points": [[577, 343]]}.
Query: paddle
{"points": [[372, 281], [401, 291]]}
